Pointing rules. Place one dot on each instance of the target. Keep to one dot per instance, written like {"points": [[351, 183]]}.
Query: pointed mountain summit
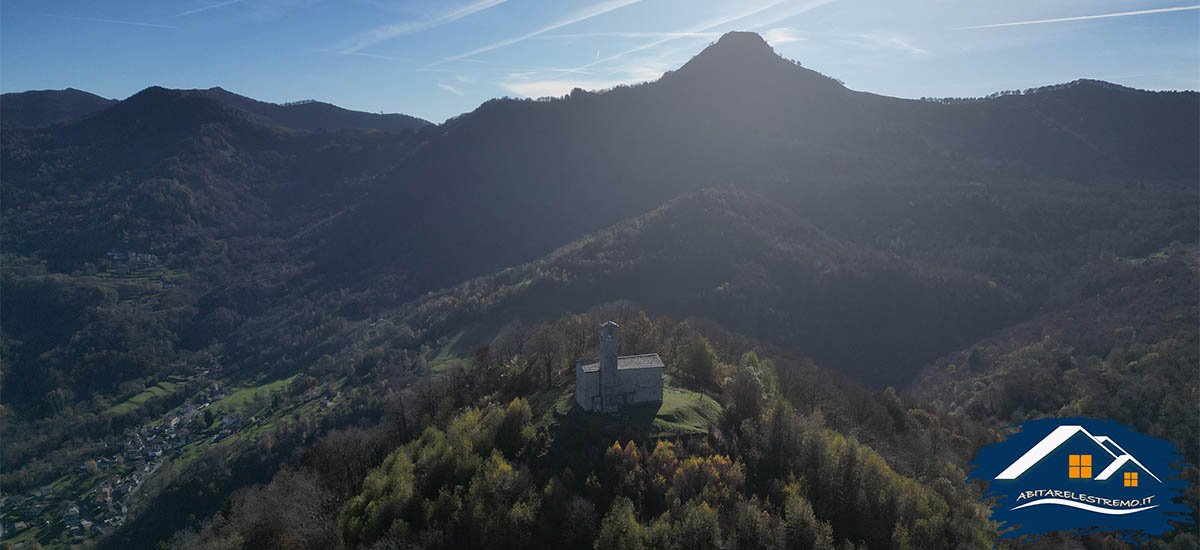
{"points": [[745, 61], [737, 46], [741, 81]]}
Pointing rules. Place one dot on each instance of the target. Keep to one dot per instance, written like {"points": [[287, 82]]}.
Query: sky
{"points": [[438, 59]]}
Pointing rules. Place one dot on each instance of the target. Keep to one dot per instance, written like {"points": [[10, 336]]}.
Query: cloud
{"points": [[264, 10], [558, 88], [209, 7], [880, 41], [788, 14], [361, 54], [781, 35], [904, 45], [564, 84], [1080, 18], [520, 84], [622, 34], [581, 15], [720, 22], [387, 32], [697, 28], [450, 89], [113, 21]]}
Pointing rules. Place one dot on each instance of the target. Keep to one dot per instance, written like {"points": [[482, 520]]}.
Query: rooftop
{"points": [[626, 362]]}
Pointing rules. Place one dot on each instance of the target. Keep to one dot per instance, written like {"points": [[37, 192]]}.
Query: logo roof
{"points": [[1060, 435]]}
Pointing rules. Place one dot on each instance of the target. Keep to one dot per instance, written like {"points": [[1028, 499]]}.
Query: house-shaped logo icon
{"points": [[1081, 474], [1080, 466]]}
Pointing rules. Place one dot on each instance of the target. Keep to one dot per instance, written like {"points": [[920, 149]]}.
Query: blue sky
{"points": [[437, 59]]}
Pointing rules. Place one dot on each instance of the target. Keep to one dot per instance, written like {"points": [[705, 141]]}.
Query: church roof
{"points": [[626, 362]]}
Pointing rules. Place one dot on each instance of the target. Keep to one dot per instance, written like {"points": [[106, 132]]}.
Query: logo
{"points": [[1083, 475]]}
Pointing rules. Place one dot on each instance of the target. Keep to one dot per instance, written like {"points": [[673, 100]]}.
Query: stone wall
{"points": [[587, 385], [641, 385]]}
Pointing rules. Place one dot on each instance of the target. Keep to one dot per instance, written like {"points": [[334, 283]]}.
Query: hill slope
{"points": [[755, 267]]}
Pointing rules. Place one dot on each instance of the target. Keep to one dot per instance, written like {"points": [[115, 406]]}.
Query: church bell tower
{"points": [[609, 382]]}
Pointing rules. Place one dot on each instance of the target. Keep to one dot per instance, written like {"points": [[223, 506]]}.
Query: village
{"points": [[117, 475], [98, 496]]}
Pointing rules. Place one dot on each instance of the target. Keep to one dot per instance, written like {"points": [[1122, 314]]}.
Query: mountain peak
{"points": [[738, 47], [743, 39], [744, 61]]}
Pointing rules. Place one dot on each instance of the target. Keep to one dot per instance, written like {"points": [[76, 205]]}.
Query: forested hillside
{"points": [[236, 324], [45, 107], [519, 465]]}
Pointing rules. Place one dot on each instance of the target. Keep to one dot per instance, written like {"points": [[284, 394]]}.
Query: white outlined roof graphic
{"points": [[1059, 436]]}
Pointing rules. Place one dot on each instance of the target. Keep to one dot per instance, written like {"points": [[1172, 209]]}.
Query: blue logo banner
{"points": [[1084, 475]]}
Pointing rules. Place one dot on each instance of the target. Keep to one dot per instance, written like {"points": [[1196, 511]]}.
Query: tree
{"points": [[579, 523], [802, 529], [620, 530], [699, 361], [699, 528], [546, 347], [746, 390]]}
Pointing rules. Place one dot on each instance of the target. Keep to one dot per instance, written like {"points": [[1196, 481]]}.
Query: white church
{"points": [[610, 382]]}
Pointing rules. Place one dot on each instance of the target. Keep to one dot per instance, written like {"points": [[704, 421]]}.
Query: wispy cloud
{"points": [[721, 22], [903, 44], [209, 7], [781, 35], [384, 33], [876, 41], [450, 89], [265, 10], [790, 13], [581, 15], [620, 34], [1081, 17], [558, 88], [362, 54], [697, 28], [649, 69], [113, 21]]}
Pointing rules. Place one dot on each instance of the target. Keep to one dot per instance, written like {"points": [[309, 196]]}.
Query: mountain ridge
{"points": [[589, 160], [38, 108], [35, 108]]}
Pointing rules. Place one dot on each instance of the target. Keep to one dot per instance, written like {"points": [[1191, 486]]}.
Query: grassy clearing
{"points": [[580, 437], [446, 355], [241, 397], [685, 412], [160, 389]]}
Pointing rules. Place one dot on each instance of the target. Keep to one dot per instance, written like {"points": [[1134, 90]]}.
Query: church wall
{"points": [[642, 385], [587, 385]]}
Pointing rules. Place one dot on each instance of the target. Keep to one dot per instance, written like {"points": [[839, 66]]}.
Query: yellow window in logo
{"points": [[1079, 467], [1131, 479]]}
